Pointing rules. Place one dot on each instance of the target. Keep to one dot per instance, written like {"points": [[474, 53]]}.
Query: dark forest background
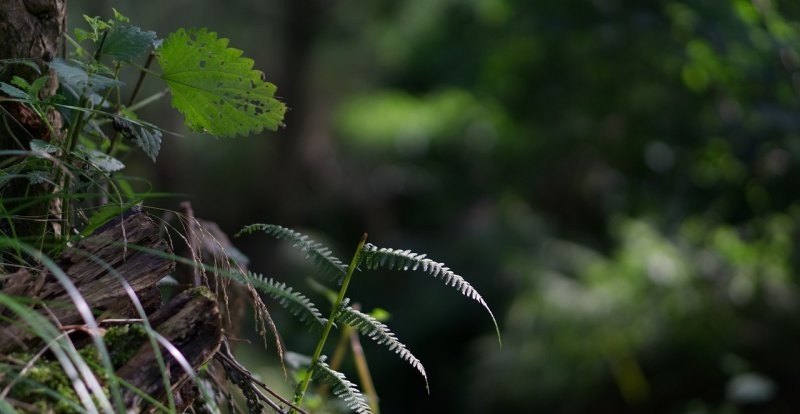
{"points": [[618, 178]]}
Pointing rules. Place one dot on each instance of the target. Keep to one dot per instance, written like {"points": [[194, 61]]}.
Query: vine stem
{"points": [[303, 386]]}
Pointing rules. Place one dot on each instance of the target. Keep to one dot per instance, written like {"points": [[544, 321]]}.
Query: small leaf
{"points": [[37, 145], [341, 387], [20, 83], [126, 43], [13, 91], [380, 333], [297, 303], [317, 252], [76, 78], [100, 160], [374, 257], [215, 88], [148, 139], [119, 16], [37, 85]]}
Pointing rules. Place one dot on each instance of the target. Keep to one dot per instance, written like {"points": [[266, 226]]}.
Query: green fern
{"points": [[341, 387], [374, 257], [294, 301], [215, 88], [380, 333], [317, 252]]}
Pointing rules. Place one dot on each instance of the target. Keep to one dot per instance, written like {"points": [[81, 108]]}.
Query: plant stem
{"points": [[142, 75], [298, 398]]}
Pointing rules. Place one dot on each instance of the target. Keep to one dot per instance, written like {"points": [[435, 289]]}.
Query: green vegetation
{"points": [[74, 176]]}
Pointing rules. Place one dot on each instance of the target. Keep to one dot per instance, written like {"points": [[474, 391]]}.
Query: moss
{"points": [[123, 341], [204, 292], [48, 389]]}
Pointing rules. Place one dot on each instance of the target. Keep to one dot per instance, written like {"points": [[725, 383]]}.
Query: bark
{"points": [[95, 266], [191, 322], [29, 29]]}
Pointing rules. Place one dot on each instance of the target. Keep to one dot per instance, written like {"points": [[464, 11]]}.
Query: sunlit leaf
{"points": [[215, 88]]}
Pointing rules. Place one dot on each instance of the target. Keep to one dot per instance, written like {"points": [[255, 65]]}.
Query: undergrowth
{"points": [[65, 185]]}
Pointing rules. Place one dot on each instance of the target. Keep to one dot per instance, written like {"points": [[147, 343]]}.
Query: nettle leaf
{"points": [[148, 139], [126, 43], [215, 88], [76, 78], [378, 332]]}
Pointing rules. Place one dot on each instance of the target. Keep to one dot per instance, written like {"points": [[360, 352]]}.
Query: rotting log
{"points": [[95, 266], [190, 322], [130, 248]]}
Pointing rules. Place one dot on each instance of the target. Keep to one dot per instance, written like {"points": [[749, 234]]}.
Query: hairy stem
{"points": [[303, 386]]}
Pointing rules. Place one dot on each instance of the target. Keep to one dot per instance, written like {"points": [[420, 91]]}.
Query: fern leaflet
{"points": [[294, 301], [341, 387], [374, 257], [380, 333], [317, 252]]}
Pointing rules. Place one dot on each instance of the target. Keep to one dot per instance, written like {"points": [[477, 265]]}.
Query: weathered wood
{"points": [[95, 265], [191, 322]]}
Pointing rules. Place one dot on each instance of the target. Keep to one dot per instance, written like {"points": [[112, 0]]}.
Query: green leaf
{"points": [[78, 80], [148, 139], [297, 303], [341, 387], [215, 88], [99, 159], [106, 213], [317, 252], [378, 332], [13, 91], [126, 43], [374, 257], [37, 145], [119, 16]]}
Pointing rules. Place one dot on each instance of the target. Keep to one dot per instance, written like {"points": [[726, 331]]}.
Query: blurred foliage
{"points": [[618, 175]]}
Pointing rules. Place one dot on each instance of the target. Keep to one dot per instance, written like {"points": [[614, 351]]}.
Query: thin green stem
{"points": [[150, 99], [303, 386], [140, 81]]}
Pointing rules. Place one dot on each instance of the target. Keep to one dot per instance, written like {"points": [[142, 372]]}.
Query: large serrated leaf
{"points": [[215, 88], [126, 43]]}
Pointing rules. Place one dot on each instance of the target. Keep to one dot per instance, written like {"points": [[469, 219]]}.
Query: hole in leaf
{"points": [[202, 64]]}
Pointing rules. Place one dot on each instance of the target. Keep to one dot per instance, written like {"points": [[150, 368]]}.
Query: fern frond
{"points": [[317, 252], [341, 387], [380, 333], [295, 302], [374, 257]]}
